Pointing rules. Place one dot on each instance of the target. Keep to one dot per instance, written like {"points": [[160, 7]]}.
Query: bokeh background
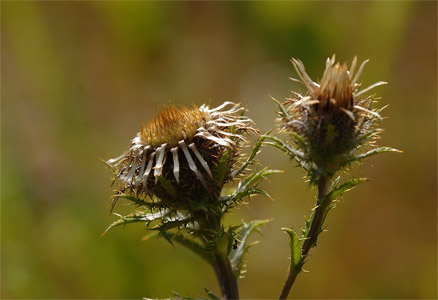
{"points": [[78, 78]]}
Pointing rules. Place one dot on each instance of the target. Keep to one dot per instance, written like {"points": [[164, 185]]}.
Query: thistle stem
{"points": [[318, 217], [221, 263], [227, 279]]}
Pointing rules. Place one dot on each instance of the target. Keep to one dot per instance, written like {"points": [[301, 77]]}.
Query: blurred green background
{"points": [[78, 78]]}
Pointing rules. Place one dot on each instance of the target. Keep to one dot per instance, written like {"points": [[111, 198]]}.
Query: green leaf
{"points": [[242, 235], [340, 190], [250, 159], [135, 218], [375, 151], [257, 191], [308, 223], [255, 177], [295, 243], [248, 186], [298, 139], [283, 111], [278, 143], [167, 225]]}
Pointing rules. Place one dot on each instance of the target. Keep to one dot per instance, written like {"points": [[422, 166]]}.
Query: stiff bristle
{"points": [[172, 125]]}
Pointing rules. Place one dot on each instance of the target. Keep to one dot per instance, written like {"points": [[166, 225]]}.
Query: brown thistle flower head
{"points": [[333, 121], [175, 156]]}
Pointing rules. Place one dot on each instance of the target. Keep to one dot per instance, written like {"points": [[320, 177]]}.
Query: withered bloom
{"points": [[332, 122], [175, 156]]}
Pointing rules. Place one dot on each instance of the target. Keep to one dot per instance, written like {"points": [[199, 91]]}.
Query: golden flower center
{"points": [[171, 125], [335, 87]]}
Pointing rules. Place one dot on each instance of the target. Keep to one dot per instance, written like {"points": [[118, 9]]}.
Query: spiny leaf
{"points": [[256, 176], [340, 190], [295, 243], [298, 156], [248, 193], [254, 152], [171, 221], [283, 111], [278, 143], [167, 225], [298, 139], [376, 151], [321, 229], [254, 191], [308, 223], [135, 218], [243, 233], [248, 186]]}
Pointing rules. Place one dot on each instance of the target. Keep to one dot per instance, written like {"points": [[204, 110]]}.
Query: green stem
{"points": [[227, 279], [311, 237], [218, 240]]}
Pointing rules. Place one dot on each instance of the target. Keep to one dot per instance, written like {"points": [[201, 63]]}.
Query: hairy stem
{"points": [[227, 279], [318, 217]]}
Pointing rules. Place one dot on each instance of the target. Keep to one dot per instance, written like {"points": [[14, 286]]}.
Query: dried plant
{"points": [[175, 169]]}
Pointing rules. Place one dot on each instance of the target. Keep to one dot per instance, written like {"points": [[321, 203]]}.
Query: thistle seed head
{"points": [[175, 156], [332, 120]]}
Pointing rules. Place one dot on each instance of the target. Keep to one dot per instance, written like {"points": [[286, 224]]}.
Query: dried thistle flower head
{"points": [[175, 156], [172, 125], [333, 121]]}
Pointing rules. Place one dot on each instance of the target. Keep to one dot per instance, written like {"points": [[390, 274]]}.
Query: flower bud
{"points": [[332, 120]]}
